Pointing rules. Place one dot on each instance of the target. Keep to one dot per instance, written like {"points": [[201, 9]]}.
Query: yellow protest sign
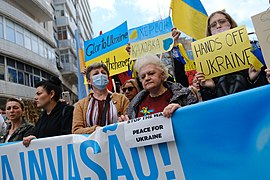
{"points": [[223, 53], [109, 48], [116, 60]]}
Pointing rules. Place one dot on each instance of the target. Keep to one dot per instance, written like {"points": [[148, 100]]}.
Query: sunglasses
{"points": [[128, 88], [220, 22]]}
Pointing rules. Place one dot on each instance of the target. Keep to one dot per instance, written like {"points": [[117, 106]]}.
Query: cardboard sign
{"points": [[148, 130], [223, 53], [109, 48], [261, 24], [152, 38]]}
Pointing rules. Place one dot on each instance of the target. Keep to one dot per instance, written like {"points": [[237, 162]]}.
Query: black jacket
{"points": [[181, 95], [58, 122], [24, 130], [233, 83]]}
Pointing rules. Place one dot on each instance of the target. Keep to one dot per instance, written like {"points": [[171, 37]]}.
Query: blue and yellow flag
{"points": [[190, 17]]}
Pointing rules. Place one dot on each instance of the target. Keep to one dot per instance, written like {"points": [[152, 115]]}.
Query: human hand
{"points": [[84, 70], [175, 34], [169, 110], [128, 48], [27, 140], [123, 118], [268, 75], [203, 82], [253, 73]]}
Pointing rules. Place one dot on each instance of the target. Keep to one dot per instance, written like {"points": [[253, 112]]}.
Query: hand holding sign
{"points": [[223, 53]]}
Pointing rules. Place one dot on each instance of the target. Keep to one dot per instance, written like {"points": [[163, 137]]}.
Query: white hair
{"points": [[151, 59]]}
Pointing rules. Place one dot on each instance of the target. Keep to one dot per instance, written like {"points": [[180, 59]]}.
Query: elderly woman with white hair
{"points": [[158, 95]]}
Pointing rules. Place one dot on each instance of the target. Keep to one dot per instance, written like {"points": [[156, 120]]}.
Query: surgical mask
{"points": [[219, 30], [100, 81]]}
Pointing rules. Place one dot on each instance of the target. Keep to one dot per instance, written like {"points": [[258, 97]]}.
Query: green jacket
{"points": [[24, 130]]}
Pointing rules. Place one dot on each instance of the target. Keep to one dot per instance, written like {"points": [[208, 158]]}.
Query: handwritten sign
{"points": [[109, 48], [261, 24], [223, 53], [148, 130], [151, 38]]}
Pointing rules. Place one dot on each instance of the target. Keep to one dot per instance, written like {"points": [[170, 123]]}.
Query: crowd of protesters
{"points": [[151, 92]]}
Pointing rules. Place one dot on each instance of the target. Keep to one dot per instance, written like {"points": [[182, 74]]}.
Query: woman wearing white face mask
{"points": [[218, 22], [100, 107]]}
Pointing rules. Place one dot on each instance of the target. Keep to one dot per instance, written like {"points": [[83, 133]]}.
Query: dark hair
{"points": [[227, 16], [16, 100], [52, 84], [96, 65]]}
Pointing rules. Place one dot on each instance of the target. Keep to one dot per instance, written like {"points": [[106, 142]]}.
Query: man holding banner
{"points": [[229, 69]]}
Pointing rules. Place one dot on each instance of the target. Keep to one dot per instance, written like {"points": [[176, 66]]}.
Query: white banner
{"points": [[101, 155]]}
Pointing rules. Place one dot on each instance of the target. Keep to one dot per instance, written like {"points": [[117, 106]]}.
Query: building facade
{"points": [[37, 40]]}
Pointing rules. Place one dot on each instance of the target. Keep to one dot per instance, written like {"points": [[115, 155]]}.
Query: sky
{"points": [[107, 14]]}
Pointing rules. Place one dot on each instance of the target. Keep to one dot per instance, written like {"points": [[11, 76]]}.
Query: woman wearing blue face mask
{"points": [[100, 107]]}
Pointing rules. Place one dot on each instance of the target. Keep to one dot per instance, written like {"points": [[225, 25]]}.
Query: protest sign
{"points": [[148, 130], [109, 48], [223, 53], [152, 38], [261, 24]]}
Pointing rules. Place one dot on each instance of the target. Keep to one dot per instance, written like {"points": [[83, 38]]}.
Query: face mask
{"points": [[100, 81], [219, 30]]}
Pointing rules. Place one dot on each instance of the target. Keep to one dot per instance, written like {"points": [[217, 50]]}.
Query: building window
{"points": [[2, 71], [1, 27], [46, 51], [36, 80], [27, 40], [34, 41], [19, 35], [27, 80], [28, 68], [36, 71], [20, 66], [12, 75], [20, 77], [10, 28], [41, 48], [2, 68], [62, 33], [11, 62], [64, 55]]}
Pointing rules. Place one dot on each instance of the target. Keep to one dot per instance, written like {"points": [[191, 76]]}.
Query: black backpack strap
{"points": [[104, 112]]}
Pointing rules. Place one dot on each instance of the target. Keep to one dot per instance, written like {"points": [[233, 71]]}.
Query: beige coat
{"points": [[79, 125]]}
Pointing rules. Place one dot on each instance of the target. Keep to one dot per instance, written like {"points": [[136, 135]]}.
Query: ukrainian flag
{"points": [[190, 17]]}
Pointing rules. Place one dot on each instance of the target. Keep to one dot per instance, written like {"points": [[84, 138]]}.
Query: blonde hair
{"points": [[227, 16], [151, 59], [133, 82]]}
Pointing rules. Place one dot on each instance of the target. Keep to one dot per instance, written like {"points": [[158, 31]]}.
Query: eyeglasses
{"points": [[220, 22], [128, 88]]}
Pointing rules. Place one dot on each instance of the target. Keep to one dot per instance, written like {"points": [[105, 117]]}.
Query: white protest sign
{"points": [[261, 24], [148, 130]]}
